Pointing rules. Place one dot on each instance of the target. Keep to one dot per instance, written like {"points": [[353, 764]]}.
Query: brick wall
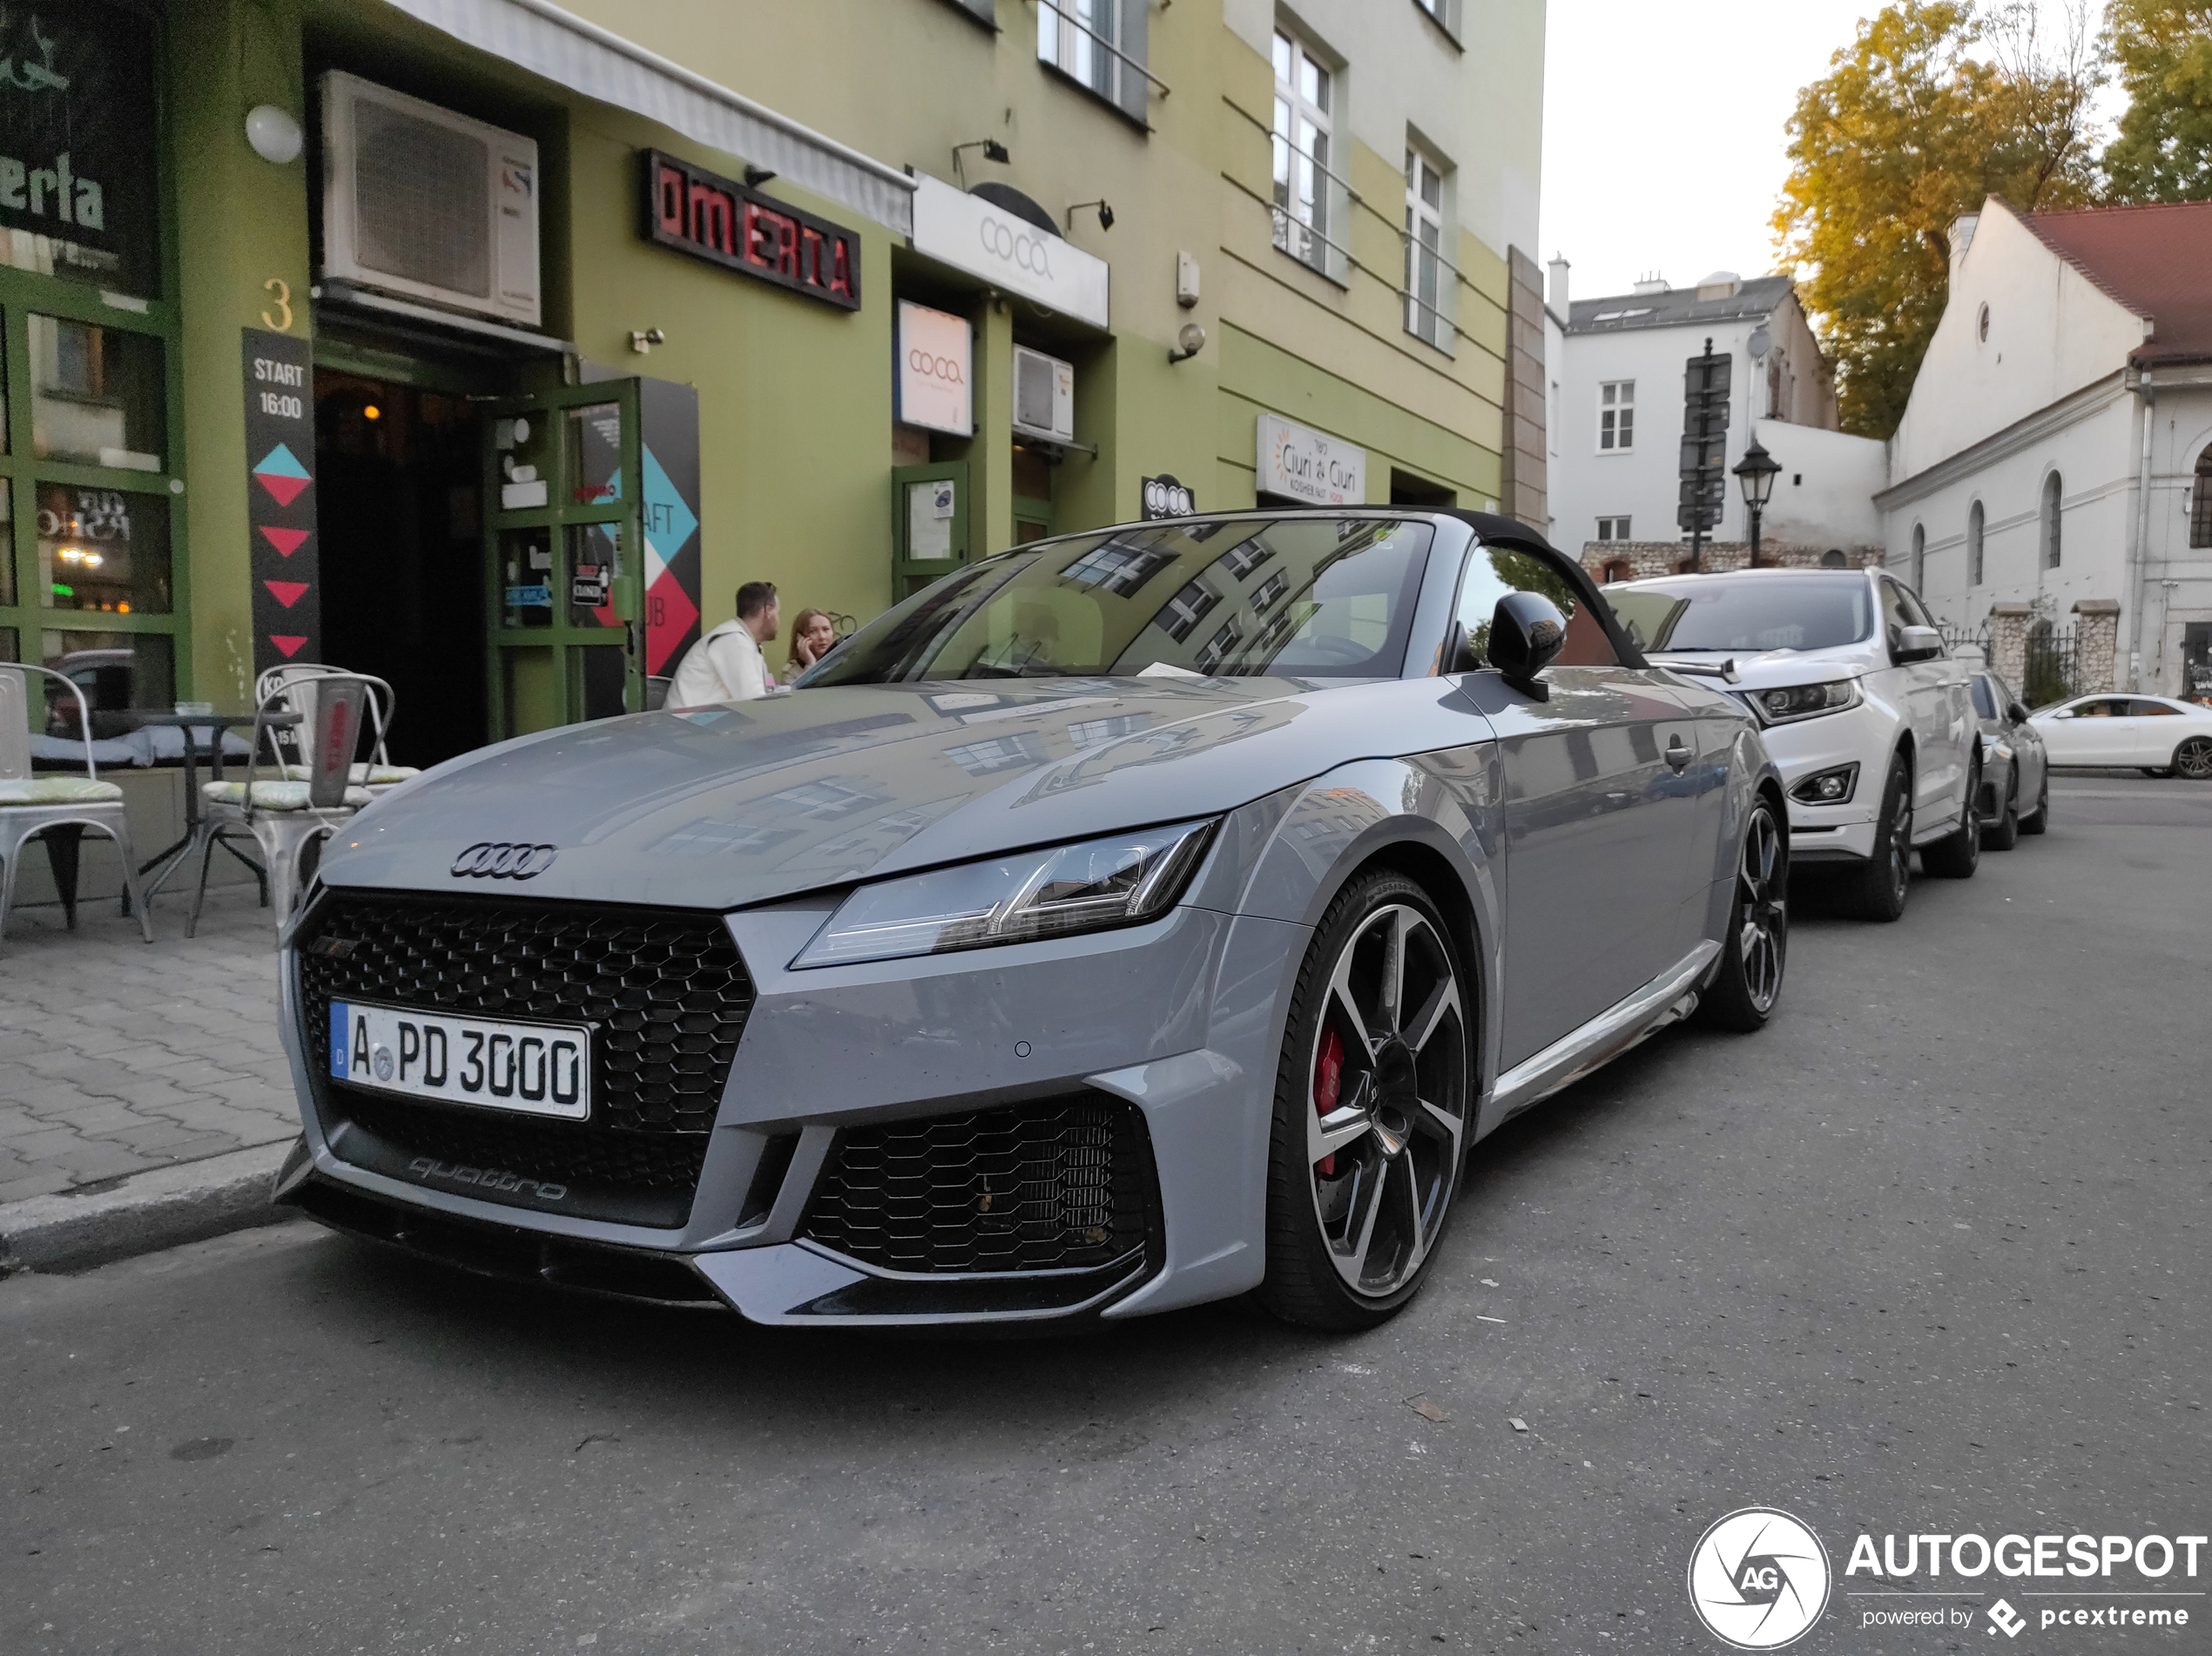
{"points": [[1649, 558]]}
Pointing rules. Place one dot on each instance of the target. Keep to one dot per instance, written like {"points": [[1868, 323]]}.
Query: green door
{"points": [[564, 556], [929, 520]]}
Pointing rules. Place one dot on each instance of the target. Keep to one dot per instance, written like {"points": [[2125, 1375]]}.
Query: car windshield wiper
{"points": [[1724, 670]]}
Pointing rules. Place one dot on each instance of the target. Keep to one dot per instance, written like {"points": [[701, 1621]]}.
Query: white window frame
{"points": [[1428, 319], [1303, 229], [1613, 530], [1099, 45], [1447, 13], [1615, 434]]}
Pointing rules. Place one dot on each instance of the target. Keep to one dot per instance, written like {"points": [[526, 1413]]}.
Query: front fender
{"points": [[1437, 815]]}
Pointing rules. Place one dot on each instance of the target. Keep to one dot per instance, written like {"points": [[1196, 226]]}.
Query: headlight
{"points": [[1828, 787], [1805, 701], [1120, 880]]}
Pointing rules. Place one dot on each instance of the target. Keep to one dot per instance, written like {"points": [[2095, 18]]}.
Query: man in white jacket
{"points": [[726, 664]]}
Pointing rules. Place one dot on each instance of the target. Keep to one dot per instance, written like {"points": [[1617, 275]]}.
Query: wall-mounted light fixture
{"points": [[757, 176], [1105, 213], [1188, 343], [643, 339], [993, 151], [273, 134]]}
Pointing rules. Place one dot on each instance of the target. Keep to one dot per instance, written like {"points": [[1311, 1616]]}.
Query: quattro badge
{"points": [[500, 861]]}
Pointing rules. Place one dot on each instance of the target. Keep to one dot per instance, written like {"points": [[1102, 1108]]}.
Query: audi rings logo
{"points": [[1759, 1579], [1023, 249], [487, 860], [944, 369]]}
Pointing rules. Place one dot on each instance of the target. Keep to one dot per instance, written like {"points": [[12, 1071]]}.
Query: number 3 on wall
{"points": [[280, 303]]}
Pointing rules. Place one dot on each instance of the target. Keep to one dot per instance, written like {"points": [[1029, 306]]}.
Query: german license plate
{"points": [[535, 1069]]}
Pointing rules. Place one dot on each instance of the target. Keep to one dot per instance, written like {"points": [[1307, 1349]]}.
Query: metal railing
{"points": [[1080, 27]]}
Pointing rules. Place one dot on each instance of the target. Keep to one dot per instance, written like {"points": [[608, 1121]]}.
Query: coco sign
{"points": [[725, 223]]}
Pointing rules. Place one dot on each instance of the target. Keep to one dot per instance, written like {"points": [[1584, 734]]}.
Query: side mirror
{"points": [[1526, 631], [2017, 711], [1918, 644]]}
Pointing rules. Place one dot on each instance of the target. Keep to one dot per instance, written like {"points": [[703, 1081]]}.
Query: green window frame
{"points": [[24, 294]]}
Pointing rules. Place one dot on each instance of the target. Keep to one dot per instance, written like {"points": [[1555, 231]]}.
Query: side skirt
{"points": [[1665, 1000]]}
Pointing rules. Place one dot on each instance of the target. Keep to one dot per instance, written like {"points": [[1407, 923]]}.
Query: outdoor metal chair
{"points": [[309, 796], [56, 809], [377, 772]]}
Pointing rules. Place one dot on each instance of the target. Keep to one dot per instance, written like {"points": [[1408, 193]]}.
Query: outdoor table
{"points": [[216, 724]]}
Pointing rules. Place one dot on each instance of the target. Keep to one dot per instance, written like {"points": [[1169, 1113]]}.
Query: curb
{"points": [[143, 1213]]}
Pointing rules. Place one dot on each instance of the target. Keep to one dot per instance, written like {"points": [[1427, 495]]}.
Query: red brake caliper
{"points": [[1328, 1087]]}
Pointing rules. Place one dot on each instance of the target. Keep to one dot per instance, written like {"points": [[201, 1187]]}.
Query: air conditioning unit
{"points": [[422, 202], [1044, 396]]}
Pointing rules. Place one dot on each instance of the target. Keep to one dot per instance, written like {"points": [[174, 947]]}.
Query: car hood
{"points": [[726, 806], [1771, 669]]}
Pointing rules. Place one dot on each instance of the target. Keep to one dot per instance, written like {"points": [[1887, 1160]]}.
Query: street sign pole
{"points": [[1704, 449]]}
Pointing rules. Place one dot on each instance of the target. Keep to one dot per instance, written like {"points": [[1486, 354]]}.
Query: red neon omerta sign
{"points": [[722, 221]]}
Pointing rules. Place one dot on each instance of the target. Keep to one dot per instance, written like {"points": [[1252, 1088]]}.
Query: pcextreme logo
{"points": [[1759, 1579]]}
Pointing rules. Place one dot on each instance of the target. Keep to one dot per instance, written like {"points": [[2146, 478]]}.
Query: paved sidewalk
{"points": [[116, 1056]]}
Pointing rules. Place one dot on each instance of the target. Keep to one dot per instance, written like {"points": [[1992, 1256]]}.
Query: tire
{"points": [[2039, 819], [1743, 991], [2005, 832], [1877, 891], [1373, 1109], [2192, 759], [1958, 853]]}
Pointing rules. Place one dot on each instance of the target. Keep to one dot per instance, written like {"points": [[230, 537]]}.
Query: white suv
{"points": [[1869, 717]]}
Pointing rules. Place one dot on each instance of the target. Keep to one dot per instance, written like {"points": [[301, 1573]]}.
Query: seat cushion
{"points": [[272, 795], [58, 790], [382, 775]]}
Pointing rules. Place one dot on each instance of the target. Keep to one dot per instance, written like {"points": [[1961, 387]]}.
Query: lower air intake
{"points": [[1060, 1185]]}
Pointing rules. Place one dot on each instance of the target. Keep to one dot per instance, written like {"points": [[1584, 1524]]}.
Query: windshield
{"points": [[1322, 599], [1751, 612]]}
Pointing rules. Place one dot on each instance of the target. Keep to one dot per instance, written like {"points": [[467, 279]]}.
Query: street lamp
{"points": [[1755, 474]]}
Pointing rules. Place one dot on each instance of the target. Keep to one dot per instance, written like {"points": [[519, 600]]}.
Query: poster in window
{"points": [[78, 191]]}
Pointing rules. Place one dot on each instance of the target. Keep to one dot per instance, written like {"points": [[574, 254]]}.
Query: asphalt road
{"points": [[1928, 1255]]}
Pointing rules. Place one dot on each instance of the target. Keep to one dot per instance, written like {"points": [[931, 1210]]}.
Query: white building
{"points": [[2055, 462], [1616, 372]]}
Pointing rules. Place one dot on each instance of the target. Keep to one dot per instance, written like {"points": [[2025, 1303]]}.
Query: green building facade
{"points": [[487, 345]]}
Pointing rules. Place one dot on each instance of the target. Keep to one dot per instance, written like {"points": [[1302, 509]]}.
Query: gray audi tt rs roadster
{"points": [[1128, 920]]}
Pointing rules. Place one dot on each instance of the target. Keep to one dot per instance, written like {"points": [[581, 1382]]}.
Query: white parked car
{"points": [[2154, 733], [1866, 713]]}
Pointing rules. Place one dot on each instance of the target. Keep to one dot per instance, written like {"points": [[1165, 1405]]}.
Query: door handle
{"points": [[1677, 753]]}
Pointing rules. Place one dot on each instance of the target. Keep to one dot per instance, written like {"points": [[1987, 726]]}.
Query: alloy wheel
{"points": [[2192, 759], [1900, 845], [1765, 908], [1388, 1084]]}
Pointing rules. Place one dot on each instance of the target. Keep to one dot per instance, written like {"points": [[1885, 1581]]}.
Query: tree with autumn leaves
{"points": [[1937, 104]]}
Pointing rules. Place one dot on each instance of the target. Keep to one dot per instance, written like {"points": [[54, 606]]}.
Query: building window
{"points": [[1304, 91], [1099, 45], [1981, 326], [1973, 545], [1445, 12], [2051, 491], [90, 464], [1428, 290], [1919, 566], [1834, 559], [1616, 569], [1616, 416], [1612, 529], [2200, 502]]}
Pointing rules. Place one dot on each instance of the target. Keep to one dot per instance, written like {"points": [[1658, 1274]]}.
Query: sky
{"points": [[1663, 130]]}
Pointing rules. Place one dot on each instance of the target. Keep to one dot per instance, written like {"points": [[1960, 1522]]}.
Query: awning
{"points": [[601, 65]]}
